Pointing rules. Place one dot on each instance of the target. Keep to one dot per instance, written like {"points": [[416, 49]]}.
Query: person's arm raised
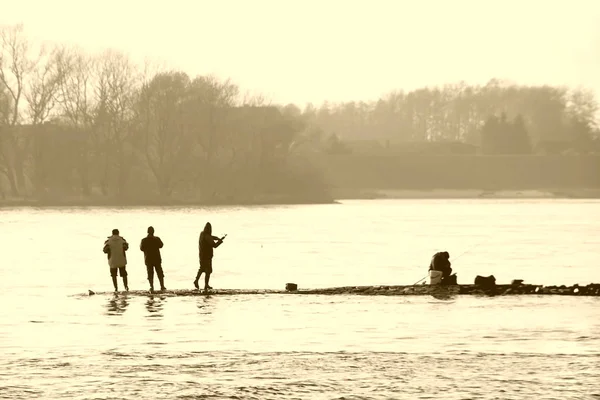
{"points": [[219, 241]]}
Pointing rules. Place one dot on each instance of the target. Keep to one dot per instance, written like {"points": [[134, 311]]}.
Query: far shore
{"points": [[374, 194], [109, 202], [337, 195]]}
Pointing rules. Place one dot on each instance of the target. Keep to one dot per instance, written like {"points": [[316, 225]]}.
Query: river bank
{"points": [[373, 194], [104, 201], [337, 194]]}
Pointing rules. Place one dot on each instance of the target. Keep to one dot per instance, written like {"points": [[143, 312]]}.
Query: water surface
{"points": [[56, 344]]}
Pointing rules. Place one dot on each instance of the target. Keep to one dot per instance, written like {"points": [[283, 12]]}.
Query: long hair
{"points": [[208, 228]]}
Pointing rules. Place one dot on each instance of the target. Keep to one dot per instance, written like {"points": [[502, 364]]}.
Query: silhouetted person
{"points": [[441, 262], [115, 247], [206, 244], [151, 246]]}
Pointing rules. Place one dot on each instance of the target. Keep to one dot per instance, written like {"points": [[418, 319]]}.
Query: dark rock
{"points": [[450, 280], [485, 282], [516, 282], [291, 287]]}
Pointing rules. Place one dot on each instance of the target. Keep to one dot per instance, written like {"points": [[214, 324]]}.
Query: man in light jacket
{"points": [[115, 247]]}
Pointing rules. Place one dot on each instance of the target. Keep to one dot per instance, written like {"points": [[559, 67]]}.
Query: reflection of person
{"points": [[151, 246], [206, 243], [154, 307], [115, 247], [117, 305]]}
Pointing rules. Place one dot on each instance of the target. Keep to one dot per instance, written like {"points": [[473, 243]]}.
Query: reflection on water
{"points": [[117, 304], [308, 347], [205, 304], [154, 305]]}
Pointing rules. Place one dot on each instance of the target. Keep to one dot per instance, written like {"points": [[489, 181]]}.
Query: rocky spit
{"points": [[401, 290]]}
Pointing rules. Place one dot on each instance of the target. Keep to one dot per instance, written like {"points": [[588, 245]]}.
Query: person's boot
{"points": [[161, 279], [125, 284], [206, 279], [115, 284], [151, 281]]}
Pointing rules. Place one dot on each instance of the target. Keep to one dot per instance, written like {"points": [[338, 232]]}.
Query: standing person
{"points": [[206, 243], [151, 246], [115, 247]]}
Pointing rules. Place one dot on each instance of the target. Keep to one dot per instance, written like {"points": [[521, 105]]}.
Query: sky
{"points": [[305, 51]]}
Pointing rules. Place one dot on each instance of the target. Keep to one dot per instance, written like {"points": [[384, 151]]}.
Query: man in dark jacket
{"points": [[206, 243], [441, 262], [151, 246]]}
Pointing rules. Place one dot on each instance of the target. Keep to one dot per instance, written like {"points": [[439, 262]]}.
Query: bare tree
{"points": [[207, 108], [5, 112], [115, 91], [77, 103], [41, 94], [163, 126], [15, 66]]}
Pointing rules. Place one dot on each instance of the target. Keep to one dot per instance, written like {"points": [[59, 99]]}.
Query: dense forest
{"points": [[79, 125]]}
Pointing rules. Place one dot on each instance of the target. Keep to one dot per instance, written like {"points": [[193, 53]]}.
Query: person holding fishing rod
{"points": [[440, 269], [206, 243]]}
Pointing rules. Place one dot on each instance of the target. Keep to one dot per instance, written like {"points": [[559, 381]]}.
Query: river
{"points": [[58, 343]]}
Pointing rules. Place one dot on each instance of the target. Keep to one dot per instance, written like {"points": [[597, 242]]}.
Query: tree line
{"points": [[74, 124], [545, 116], [79, 124]]}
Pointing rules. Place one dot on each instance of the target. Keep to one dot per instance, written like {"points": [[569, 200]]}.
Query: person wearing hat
{"points": [[151, 246], [115, 247]]}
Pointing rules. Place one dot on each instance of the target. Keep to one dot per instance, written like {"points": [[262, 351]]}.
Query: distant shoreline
{"points": [[374, 194], [101, 202], [338, 195]]}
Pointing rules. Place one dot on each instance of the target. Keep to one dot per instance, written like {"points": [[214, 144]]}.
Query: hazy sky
{"points": [[310, 51]]}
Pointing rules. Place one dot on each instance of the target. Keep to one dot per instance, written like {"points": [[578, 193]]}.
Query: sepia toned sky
{"points": [[310, 51]]}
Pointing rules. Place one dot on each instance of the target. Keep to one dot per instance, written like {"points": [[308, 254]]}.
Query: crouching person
{"points": [[440, 270]]}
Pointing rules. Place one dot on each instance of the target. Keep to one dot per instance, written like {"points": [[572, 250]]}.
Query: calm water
{"points": [[56, 344]]}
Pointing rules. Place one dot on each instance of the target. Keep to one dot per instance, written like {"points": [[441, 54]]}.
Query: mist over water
{"points": [[58, 343]]}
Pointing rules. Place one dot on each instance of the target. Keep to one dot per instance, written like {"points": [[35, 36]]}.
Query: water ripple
{"points": [[55, 346]]}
